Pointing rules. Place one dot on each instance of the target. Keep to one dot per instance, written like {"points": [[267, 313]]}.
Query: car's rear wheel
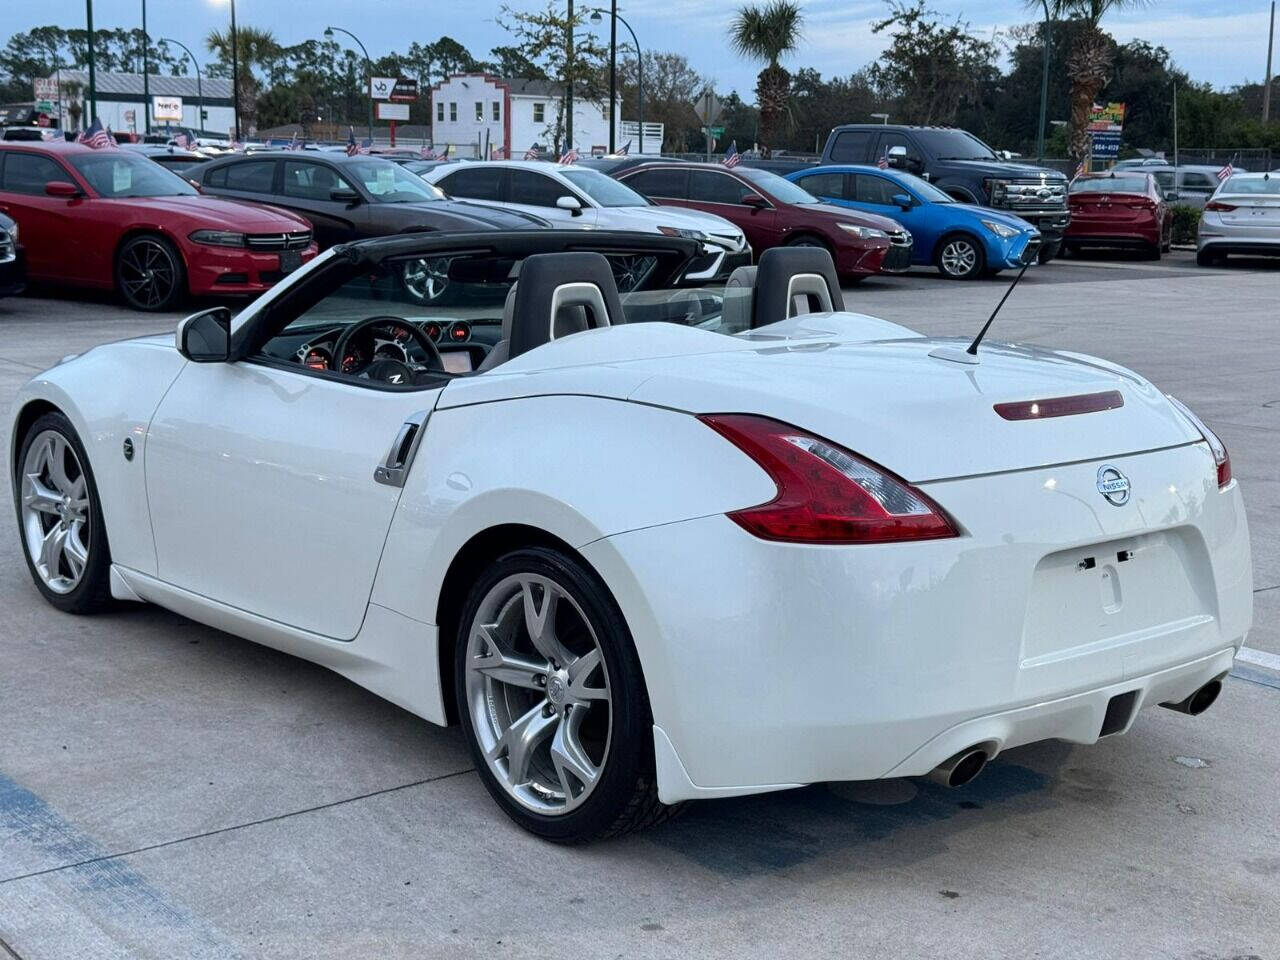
{"points": [[960, 257], [60, 518], [552, 699], [1207, 258], [150, 274], [426, 280]]}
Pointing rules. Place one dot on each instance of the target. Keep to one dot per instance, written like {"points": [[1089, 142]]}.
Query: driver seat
{"points": [[557, 294]]}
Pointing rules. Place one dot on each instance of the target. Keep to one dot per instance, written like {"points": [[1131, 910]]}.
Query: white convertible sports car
{"points": [[676, 544]]}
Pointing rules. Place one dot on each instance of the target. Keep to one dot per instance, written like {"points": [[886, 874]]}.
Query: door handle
{"points": [[394, 470]]}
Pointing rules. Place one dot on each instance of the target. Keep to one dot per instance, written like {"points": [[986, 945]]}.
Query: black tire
{"points": [[808, 240], [1046, 255], [943, 258], [92, 593], [626, 797], [150, 274], [1206, 258]]}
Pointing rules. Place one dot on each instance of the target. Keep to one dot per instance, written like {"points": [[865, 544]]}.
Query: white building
{"points": [[121, 104], [472, 111]]}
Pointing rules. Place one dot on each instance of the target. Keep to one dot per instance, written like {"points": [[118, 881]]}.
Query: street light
{"points": [[235, 72], [1044, 85], [597, 16], [93, 89], [146, 85], [199, 86], [882, 117], [368, 65]]}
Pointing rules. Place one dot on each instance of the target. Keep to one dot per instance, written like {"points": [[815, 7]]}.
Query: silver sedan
{"points": [[1242, 217]]}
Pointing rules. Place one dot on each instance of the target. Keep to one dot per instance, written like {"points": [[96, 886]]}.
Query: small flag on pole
{"points": [[181, 141], [533, 153], [1227, 171], [426, 153], [731, 156], [569, 157], [624, 149], [444, 154], [883, 162], [357, 149], [96, 136], [1080, 170]]}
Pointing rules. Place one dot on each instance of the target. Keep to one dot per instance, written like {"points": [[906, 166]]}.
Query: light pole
{"points": [[596, 17], [368, 65], [568, 60], [235, 72], [1044, 86], [146, 82], [93, 89], [199, 86]]}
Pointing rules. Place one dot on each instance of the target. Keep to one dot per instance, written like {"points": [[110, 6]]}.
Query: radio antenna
{"points": [[973, 347]]}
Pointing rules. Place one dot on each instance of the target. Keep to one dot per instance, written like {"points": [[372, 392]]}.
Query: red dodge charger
{"points": [[111, 218]]}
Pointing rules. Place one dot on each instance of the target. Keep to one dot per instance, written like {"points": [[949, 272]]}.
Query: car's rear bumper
{"points": [[1093, 232], [770, 665], [213, 271]]}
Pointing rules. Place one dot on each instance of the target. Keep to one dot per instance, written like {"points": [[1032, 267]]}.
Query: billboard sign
{"points": [[1107, 118], [166, 108], [392, 111], [405, 90], [380, 87]]}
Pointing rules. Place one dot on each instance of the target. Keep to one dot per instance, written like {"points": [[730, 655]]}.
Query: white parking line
{"points": [[1259, 658]]}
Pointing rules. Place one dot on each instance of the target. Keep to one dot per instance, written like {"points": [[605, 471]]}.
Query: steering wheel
{"points": [[389, 369]]}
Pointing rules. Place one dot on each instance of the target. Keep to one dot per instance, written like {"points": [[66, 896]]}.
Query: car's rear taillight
{"points": [[825, 493], [1219, 205], [1220, 455]]}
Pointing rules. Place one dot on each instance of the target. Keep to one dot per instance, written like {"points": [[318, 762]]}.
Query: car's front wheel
{"points": [[60, 518], [150, 274], [426, 280], [960, 257], [552, 699]]}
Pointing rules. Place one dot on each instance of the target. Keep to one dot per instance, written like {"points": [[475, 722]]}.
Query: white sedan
{"points": [[669, 545], [573, 196]]}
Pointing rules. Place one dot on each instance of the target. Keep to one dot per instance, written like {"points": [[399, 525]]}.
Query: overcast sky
{"points": [[1218, 41]]}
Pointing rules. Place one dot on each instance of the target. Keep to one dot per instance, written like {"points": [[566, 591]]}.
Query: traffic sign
{"points": [[44, 106], [714, 132], [708, 107]]}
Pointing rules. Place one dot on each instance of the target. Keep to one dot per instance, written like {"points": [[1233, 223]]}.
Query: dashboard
{"points": [[462, 344]]}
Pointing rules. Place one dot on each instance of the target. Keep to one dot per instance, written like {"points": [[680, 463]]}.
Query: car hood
{"points": [[990, 213], [219, 213], [484, 216], [869, 385], [1009, 171], [651, 218], [831, 212]]}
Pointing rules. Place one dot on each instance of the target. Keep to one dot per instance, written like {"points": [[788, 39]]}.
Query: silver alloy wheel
{"points": [[148, 273], [959, 257], [538, 693], [426, 279], [55, 511]]}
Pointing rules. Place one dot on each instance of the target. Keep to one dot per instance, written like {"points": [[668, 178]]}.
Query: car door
{"points": [[261, 482], [47, 225], [666, 186], [723, 194], [533, 192], [306, 188], [891, 139], [829, 187], [482, 183]]}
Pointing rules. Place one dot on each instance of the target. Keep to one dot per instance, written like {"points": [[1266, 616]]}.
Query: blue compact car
{"points": [[962, 240]]}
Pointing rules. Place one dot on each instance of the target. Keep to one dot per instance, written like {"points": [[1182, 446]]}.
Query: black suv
{"points": [[960, 164]]}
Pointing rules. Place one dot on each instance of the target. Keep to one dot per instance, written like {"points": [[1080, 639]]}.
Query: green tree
{"points": [[1090, 59], [256, 49], [670, 87], [769, 33]]}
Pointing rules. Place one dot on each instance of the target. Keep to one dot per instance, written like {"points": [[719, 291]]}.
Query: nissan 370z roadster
{"points": [[675, 544]]}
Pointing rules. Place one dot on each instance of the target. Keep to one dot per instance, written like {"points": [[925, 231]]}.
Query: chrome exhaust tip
{"points": [[961, 768], [1200, 701]]}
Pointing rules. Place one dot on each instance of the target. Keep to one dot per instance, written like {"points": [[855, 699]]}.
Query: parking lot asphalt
{"points": [[170, 791]]}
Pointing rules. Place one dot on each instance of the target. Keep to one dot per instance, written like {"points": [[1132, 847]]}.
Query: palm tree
{"points": [[255, 48], [1089, 62], [768, 33]]}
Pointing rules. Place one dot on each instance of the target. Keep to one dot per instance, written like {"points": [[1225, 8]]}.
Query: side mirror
{"points": [[904, 201], [1171, 194], [205, 337], [571, 204], [344, 195], [754, 200], [60, 188], [897, 156]]}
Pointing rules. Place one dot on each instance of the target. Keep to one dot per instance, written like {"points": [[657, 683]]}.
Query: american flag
{"points": [[883, 162], [731, 156], [444, 154], [426, 153], [294, 143], [1227, 171], [624, 149], [182, 141], [498, 153], [1080, 170], [533, 153], [357, 149], [569, 157], [96, 136]]}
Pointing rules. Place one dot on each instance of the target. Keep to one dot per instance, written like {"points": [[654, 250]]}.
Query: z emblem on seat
{"points": [[1113, 485]]}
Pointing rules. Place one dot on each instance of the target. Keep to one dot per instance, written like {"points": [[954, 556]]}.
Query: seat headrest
{"points": [[509, 311], [559, 294], [791, 281]]}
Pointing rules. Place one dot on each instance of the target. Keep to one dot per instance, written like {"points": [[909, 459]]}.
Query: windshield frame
{"points": [[589, 175], [765, 180], [350, 169], [932, 139]]}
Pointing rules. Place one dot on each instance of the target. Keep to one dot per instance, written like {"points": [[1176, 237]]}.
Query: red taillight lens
{"points": [[825, 493], [1220, 455], [1219, 205]]}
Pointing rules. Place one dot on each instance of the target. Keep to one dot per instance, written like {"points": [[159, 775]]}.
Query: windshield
{"points": [[1256, 185], [115, 174], [923, 189], [389, 182], [783, 190], [954, 145], [1110, 185], [605, 191]]}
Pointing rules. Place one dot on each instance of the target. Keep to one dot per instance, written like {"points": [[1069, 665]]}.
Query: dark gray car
{"points": [[351, 198]]}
